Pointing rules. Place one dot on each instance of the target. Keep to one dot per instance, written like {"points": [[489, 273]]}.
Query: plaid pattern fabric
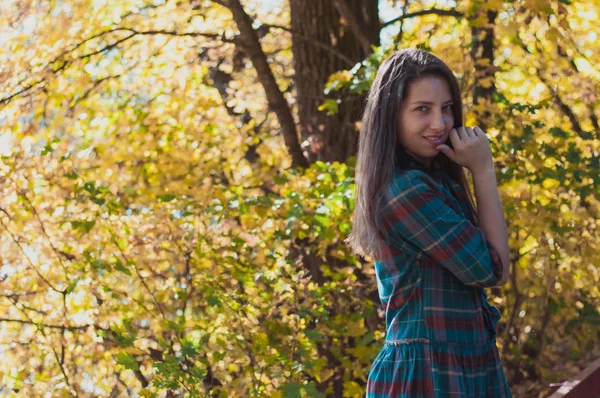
{"points": [[440, 329]]}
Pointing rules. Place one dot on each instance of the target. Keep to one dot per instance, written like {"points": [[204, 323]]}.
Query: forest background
{"points": [[177, 180]]}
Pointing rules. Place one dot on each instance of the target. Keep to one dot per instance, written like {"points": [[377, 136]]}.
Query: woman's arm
{"points": [[491, 216], [419, 219]]}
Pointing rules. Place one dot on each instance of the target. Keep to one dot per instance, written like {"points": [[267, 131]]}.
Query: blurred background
{"points": [[177, 180]]}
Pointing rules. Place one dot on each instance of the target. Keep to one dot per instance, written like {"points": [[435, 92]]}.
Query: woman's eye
{"points": [[424, 109]]}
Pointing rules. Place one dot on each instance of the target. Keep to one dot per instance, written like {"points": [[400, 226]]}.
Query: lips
{"points": [[435, 139]]}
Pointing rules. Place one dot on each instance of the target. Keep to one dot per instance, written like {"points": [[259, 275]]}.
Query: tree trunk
{"points": [[323, 43], [275, 97], [482, 52], [329, 137]]}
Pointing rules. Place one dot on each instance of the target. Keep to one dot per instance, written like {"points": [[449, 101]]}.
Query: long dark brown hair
{"points": [[379, 149]]}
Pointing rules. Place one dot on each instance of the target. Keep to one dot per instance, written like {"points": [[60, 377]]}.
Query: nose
{"points": [[437, 121]]}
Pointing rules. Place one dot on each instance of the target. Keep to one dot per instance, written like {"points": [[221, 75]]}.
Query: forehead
{"points": [[429, 89]]}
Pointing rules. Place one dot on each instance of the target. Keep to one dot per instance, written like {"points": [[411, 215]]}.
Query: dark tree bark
{"points": [[363, 32], [322, 30], [251, 45], [482, 52], [329, 137]]}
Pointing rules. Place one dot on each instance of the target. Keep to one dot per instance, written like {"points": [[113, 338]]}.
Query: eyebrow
{"points": [[431, 103]]}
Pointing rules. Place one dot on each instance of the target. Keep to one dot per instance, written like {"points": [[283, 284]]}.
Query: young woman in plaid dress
{"points": [[434, 251]]}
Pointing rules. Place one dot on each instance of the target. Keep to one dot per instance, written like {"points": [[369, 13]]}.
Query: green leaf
{"points": [[198, 372], [121, 336], [322, 220], [214, 301], [83, 226], [330, 106], [146, 393], [71, 287], [311, 391], [291, 390], [166, 197], [353, 389], [122, 243], [553, 306], [366, 339], [187, 349], [47, 149], [90, 186], [127, 360], [120, 267], [280, 180], [314, 335], [114, 207]]}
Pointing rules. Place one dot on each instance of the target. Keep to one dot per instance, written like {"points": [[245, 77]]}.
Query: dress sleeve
{"points": [[416, 214]]}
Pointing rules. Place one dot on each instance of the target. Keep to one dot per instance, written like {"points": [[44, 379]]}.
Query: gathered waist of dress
{"points": [[437, 342]]}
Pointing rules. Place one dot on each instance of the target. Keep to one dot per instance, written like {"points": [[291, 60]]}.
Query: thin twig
{"points": [[435, 11], [16, 241]]}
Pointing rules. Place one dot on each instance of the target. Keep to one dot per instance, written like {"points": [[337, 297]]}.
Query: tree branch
{"points": [[142, 279], [445, 13], [316, 43], [57, 327], [398, 39], [518, 299], [277, 102], [94, 86], [22, 91], [16, 241], [133, 33], [42, 331], [44, 232], [357, 27], [590, 105], [561, 104]]}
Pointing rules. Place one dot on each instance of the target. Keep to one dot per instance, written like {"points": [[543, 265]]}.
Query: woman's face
{"points": [[425, 111]]}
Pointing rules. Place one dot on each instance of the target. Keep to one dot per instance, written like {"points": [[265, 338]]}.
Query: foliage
{"points": [[145, 251]]}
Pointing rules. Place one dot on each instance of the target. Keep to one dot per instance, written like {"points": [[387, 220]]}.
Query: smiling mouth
{"points": [[435, 139]]}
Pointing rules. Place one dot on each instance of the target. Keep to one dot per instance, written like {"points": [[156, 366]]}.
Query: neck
{"points": [[427, 162]]}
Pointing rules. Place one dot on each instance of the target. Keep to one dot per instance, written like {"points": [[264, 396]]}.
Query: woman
{"points": [[434, 252]]}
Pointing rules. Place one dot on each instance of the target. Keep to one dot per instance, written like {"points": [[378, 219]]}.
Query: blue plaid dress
{"points": [[440, 330]]}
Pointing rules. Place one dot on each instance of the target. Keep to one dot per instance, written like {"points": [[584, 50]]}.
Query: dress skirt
{"points": [[421, 368]]}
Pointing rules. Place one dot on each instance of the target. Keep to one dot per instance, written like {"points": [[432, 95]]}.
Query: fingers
{"points": [[454, 135], [465, 133]]}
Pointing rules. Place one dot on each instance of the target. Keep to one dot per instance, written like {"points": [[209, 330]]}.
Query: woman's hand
{"points": [[471, 148]]}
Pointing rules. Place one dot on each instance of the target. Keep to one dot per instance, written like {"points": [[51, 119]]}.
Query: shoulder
{"points": [[410, 185], [414, 180]]}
